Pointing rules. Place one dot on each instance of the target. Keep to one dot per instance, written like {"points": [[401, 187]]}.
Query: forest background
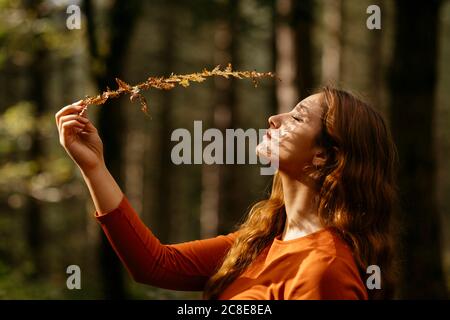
{"points": [[46, 214]]}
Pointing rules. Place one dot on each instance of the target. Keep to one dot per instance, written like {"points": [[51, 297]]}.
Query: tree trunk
{"points": [[412, 89], [294, 51], [105, 68], [219, 181], [377, 67], [303, 24], [37, 95], [163, 209], [332, 44], [33, 208], [286, 68], [274, 56]]}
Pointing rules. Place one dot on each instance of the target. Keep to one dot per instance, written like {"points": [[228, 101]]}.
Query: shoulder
{"points": [[329, 272]]}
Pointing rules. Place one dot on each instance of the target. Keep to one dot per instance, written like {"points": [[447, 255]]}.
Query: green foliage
{"points": [[25, 30], [38, 177], [14, 284], [18, 120]]}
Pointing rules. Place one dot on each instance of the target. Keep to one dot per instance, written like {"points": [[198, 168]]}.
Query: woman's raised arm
{"points": [[184, 266], [80, 139]]}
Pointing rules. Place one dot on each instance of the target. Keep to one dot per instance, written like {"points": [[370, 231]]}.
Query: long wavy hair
{"points": [[357, 196]]}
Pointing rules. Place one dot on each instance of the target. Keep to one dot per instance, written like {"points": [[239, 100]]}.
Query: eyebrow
{"points": [[302, 107]]}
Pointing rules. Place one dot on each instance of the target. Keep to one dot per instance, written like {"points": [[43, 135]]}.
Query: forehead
{"points": [[311, 104]]}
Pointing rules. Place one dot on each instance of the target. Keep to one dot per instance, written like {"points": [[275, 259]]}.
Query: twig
{"points": [[168, 83]]}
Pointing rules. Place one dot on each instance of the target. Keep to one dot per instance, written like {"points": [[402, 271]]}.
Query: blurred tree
{"points": [[294, 51], [286, 67], [163, 209], [274, 56], [37, 96], [31, 35], [412, 90], [303, 21], [376, 64], [220, 181], [333, 12], [107, 61]]}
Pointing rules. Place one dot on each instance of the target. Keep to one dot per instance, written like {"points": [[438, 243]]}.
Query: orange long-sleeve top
{"points": [[317, 266]]}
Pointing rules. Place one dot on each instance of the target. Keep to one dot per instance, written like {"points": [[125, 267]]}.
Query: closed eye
{"points": [[297, 119]]}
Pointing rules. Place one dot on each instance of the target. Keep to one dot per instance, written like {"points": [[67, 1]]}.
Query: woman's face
{"points": [[296, 133]]}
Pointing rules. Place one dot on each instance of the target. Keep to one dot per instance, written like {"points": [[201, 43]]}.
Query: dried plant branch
{"points": [[169, 83]]}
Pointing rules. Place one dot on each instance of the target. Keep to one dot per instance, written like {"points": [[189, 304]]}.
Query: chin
{"points": [[263, 152]]}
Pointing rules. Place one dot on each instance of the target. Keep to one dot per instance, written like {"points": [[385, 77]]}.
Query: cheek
{"points": [[293, 147], [297, 149]]}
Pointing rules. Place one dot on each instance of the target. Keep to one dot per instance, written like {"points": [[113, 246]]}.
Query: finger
{"points": [[89, 125], [75, 104], [67, 127], [90, 128], [66, 118], [71, 124], [71, 108]]}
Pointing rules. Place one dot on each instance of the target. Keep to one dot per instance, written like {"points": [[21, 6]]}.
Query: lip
{"points": [[268, 134]]}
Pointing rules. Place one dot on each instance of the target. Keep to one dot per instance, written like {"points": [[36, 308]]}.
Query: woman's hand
{"points": [[79, 137]]}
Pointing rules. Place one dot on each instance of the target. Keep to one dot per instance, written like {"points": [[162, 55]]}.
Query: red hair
{"points": [[357, 197]]}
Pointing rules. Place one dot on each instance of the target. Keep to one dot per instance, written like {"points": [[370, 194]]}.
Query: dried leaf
{"points": [[184, 83], [197, 78], [123, 85], [170, 82]]}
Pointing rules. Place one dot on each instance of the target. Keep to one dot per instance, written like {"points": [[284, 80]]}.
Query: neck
{"points": [[300, 201]]}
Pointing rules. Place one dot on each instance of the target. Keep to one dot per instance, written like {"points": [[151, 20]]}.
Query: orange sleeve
{"points": [[331, 279], [184, 266]]}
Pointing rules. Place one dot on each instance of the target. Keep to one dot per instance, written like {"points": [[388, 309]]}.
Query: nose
{"points": [[274, 121]]}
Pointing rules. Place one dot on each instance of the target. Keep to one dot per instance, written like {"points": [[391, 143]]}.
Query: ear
{"points": [[320, 158]]}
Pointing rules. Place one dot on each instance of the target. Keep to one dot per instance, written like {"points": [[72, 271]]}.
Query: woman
{"points": [[329, 215]]}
